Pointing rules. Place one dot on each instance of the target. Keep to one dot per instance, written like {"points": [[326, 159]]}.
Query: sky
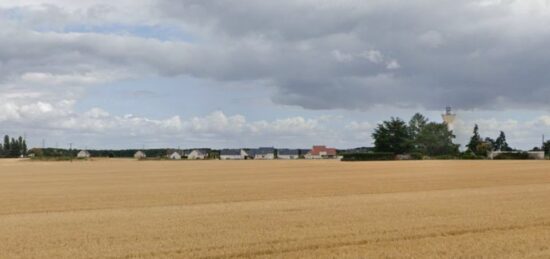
{"points": [[286, 73]]}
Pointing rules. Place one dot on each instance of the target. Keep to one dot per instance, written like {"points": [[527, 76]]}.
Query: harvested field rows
{"points": [[218, 209]]}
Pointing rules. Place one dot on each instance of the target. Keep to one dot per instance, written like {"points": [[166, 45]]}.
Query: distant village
{"points": [[394, 139], [262, 153]]}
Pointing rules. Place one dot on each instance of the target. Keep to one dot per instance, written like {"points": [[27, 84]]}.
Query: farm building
{"points": [[83, 154], [175, 155], [267, 153], [321, 152], [197, 154], [288, 154], [233, 154], [140, 155]]}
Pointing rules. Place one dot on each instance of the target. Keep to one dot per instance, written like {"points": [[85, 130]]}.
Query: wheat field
{"points": [[291, 209]]}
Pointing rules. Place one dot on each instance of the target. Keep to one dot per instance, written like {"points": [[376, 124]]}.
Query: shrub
{"points": [[512, 156], [417, 156], [378, 156], [445, 157], [468, 155]]}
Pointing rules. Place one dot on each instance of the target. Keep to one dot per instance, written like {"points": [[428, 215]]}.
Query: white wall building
{"points": [[140, 155], [83, 154], [233, 154], [287, 154], [197, 155], [264, 153], [175, 156]]}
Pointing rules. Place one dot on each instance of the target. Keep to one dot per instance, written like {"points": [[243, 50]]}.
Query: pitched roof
{"points": [[230, 152], [172, 152], [139, 153], [288, 152], [83, 153], [199, 152], [264, 151], [316, 150]]}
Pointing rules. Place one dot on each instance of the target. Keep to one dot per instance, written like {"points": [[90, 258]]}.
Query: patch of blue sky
{"points": [[12, 14], [160, 32]]}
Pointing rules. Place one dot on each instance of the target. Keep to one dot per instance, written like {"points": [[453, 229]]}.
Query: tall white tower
{"points": [[449, 117]]}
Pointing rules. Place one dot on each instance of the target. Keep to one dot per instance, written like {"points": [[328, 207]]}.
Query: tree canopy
{"points": [[12, 148], [436, 139], [392, 136], [419, 136], [481, 147]]}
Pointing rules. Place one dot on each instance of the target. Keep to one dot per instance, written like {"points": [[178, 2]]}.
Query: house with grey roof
{"points": [[233, 154], [288, 154], [266, 153]]}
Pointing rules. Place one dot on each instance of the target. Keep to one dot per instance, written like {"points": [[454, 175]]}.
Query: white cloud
{"points": [[351, 55], [89, 78]]}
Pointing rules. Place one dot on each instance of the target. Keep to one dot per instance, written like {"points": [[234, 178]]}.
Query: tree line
{"points": [[424, 138], [480, 147], [59, 152], [13, 147], [418, 136]]}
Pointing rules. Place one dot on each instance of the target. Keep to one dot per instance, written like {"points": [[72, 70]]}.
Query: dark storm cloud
{"points": [[346, 54], [471, 54]]}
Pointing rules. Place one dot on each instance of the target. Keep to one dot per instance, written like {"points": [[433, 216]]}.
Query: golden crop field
{"points": [[291, 209]]}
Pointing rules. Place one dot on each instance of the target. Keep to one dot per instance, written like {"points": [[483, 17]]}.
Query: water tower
{"points": [[449, 117]]}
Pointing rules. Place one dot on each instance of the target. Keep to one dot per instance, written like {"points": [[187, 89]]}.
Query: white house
{"points": [[233, 154], [83, 154], [175, 156], [266, 153], [197, 154], [321, 152], [288, 154], [139, 155]]}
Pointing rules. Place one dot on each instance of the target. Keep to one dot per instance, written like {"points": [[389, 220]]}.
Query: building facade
{"points": [[197, 155], [321, 152], [288, 154], [233, 154]]}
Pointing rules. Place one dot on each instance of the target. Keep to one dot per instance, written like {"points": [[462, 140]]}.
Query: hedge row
{"points": [[512, 156], [379, 156]]}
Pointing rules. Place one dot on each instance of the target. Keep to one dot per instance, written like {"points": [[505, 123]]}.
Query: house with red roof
{"points": [[321, 152]]}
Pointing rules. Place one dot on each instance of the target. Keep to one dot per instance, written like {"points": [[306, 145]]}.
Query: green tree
{"points": [[416, 125], [24, 148], [6, 144], [14, 148], [392, 136], [546, 147], [436, 139], [491, 143], [501, 144], [484, 148], [475, 141]]}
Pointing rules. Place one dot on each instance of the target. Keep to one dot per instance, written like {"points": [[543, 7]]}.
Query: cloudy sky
{"points": [[286, 73]]}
